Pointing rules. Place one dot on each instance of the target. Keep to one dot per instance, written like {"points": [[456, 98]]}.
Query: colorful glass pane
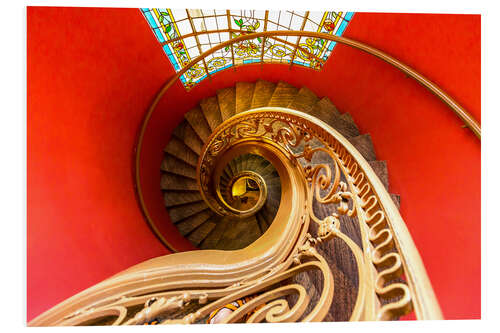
{"points": [[185, 34]]}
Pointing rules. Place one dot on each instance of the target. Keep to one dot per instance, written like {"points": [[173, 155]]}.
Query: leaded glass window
{"points": [[186, 33]]}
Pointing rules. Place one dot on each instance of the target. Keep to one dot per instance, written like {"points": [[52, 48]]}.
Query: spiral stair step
{"points": [[170, 182], [185, 133], [227, 102], [263, 224], [176, 166], [324, 109], [180, 150], [380, 169], [304, 101], [210, 242], [181, 197], [283, 95], [363, 143], [196, 119], [244, 93], [242, 234], [200, 233], [347, 117], [178, 213], [211, 111], [262, 94], [397, 199], [194, 221]]}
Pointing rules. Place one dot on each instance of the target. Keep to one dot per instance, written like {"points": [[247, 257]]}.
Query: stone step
{"points": [[304, 101], [178, 213], [179, 197], [180, 150], [199, 234], [262, 93], [174, 165], [210, 108], [244, 93], [170, 181], [283, 95], [185, 133], [187, 225], [227, 102], [363, 143], [196, 119]]}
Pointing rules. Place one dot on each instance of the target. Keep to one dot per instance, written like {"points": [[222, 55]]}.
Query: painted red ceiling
{"points": [[92, 73]]}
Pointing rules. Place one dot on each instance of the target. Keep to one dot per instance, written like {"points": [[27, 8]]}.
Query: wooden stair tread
{"points": [[201, 232], [244, 94], [174, 165], [185, 133], [363, 143], [187, 225], [210, 242], [397, 199], [380, 169], [178, 213], [210, 108], [227, 102], [262, 93], [262, 222], [196, 119], [180, 198], [347, 117], [323, 108], [304, 101], [242, 234], [180, 150], [282, 95], [170, 181]]}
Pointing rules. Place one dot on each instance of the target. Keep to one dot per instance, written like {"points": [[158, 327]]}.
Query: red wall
{"points": [[90, 79], [433, 163]]}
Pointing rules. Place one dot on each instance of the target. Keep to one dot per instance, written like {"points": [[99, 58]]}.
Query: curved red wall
{"points": [[433, 163], [90, 81]]}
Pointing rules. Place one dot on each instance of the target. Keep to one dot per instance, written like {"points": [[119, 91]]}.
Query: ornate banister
{"points": [[317, 166], [386, 239]]}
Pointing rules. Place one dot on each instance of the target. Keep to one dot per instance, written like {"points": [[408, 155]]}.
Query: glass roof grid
{"points": [[168, 24]]}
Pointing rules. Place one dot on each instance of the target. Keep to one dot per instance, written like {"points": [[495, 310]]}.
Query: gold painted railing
{"points": [[386, 241], [186, 287]]}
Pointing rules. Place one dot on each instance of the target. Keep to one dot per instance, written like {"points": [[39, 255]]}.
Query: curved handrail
{"points": [[467, 118], [169, 286], [379, 219]]}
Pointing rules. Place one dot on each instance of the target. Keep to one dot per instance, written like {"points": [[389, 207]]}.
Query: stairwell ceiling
{"points": [[186, 33]]}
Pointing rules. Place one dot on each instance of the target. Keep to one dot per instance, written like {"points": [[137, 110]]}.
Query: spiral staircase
{"points": [[186, 207]]}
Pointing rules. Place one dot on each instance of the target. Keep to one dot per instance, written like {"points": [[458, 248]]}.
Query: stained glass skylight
{"points": [[186, 33]]}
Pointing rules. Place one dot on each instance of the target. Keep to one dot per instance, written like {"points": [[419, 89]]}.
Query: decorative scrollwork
{"points": [[353, 197], [161, 290]]}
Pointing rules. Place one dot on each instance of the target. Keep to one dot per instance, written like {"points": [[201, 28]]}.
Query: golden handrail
{"points": [[171, 285], [372, 203]]}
